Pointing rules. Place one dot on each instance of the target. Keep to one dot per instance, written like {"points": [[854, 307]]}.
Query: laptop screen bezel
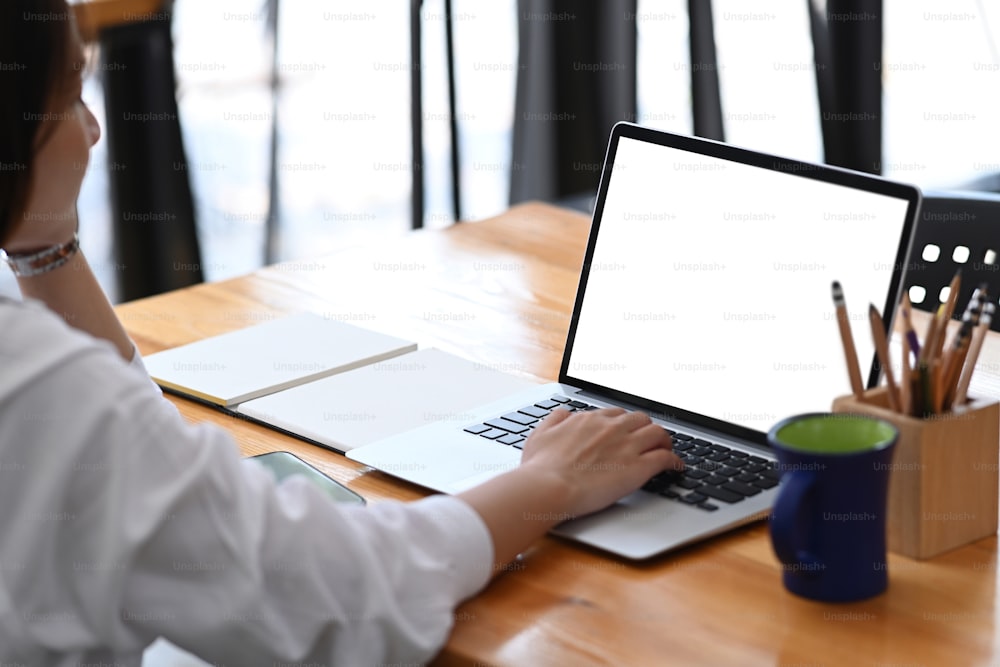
{"points": [[715, 149]]}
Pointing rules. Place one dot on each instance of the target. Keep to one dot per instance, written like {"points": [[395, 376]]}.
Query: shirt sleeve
{"points": [[169, 533]]}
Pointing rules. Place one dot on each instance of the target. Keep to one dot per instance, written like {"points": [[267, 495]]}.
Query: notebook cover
{"points": [[256, 361]]}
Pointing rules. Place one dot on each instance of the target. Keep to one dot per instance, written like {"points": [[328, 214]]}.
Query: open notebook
{"points": [[259, 360], [328, 382]]}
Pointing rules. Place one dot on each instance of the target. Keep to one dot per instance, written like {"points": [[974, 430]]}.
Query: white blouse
{"points": [[121, 523]]}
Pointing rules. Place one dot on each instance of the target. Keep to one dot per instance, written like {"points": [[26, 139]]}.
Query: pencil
{"points": [[847, 339], [937, 397], [955, 354], [882, 350], [961, 392], [949, 310], [925, 348], [953, 288], [931, 347]]}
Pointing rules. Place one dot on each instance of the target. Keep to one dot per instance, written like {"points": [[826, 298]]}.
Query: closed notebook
{"points": [[351, 409], [259, 360]]}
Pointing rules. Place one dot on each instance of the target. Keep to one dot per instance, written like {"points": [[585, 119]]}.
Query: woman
{"points": [[120, 523]]}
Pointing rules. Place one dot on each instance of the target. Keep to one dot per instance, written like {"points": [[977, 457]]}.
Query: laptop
{"points": [[705, 301]]}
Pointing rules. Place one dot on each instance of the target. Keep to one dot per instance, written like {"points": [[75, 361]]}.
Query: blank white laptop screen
{"points": [[709, 285]]}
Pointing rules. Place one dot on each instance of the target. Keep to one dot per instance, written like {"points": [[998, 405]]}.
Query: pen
{"points": [[906, 382], [850, 353], [882, 350], [908, 331], [977, 345]]}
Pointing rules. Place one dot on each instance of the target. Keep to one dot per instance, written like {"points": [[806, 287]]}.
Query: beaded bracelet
{"points": [[43, 261]]}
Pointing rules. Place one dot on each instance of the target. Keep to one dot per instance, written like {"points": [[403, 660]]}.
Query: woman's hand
{"points": [[599, 455], [573, 464]]}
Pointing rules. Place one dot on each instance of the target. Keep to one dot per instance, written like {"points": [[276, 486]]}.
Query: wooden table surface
{"points": [[500, 292]]}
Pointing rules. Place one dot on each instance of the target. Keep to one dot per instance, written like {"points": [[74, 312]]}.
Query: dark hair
{"points": [[34, 64]]}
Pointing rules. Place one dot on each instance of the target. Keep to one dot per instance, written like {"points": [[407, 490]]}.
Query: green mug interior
{"points": [[835, 434]]}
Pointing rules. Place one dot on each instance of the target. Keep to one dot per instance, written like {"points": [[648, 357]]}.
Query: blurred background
{"points": [[343, 122]]}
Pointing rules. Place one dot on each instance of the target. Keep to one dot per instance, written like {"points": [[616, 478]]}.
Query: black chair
{"points": [[956, 230]]}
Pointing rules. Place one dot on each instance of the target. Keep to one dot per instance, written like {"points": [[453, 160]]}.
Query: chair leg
{"points": [[272, 221], [456, 164], [416, 118]]}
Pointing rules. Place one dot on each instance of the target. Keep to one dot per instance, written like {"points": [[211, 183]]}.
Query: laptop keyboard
{"points": [[712, 474]]}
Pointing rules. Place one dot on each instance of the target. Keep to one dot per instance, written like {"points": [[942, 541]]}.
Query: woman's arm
{"points": [[73, 292]]}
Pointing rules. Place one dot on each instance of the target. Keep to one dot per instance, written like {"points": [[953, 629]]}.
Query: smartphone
{"points": [[284, 464]]}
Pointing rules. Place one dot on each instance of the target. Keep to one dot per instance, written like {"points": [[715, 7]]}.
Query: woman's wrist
{"points": [[28, 264]]}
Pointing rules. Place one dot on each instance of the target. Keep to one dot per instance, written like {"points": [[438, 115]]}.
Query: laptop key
{"points": [[547, 404], [687, 483], [720, 494], [745, 477], [740, 487], [756, 459], [736, 462], [579, 405], [701, 441], [656, 485], [684, 437], [493, 433], [694, 473], [476, 429], [754, 467], [735, 453], [510, 439], [559, 399], [680, 445], [507, 425], [770, 473], [715, 480], [708, 506], [670, 493], [765, 483], [693, 498], [718, 456], [535, 411], [519, 418]]}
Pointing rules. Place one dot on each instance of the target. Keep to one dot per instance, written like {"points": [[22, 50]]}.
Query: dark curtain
{"points": [[576, 78], [155, 234], [847, 41]]}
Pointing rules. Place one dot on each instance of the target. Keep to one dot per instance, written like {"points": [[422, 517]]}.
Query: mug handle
{"points": [[788, 509]]}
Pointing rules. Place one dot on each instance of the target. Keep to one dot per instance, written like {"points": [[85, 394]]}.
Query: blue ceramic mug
{"points": [[828, 523]]}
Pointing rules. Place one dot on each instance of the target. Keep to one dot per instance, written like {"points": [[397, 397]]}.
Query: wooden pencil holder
{"points": [[944, 477]]}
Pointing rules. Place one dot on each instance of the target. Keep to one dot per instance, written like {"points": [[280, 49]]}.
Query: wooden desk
{"points": [[500, 292]]}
